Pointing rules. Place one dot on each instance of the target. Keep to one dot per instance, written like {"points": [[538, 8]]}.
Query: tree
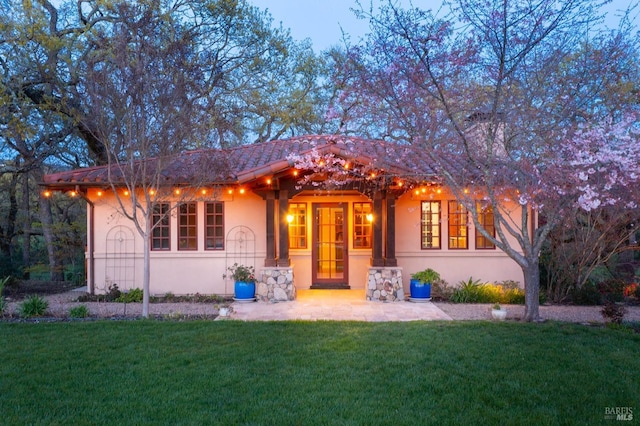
{"points": [[146, 93], [503, 96], [254, 80]]}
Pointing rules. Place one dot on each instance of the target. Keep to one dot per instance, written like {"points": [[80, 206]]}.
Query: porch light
{"points": [[370, 217], [242, 190], [47, 194], [72, 193], [126, 193], [439, 191], [268, 181], [417, 192], [424, 190], [99, 193], [230, 191], [176, 191], [203, 192], [289, 218], [152, 192], [295, 173]]}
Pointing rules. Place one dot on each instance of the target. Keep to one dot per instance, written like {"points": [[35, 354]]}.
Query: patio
{"points": [[336, 305]]}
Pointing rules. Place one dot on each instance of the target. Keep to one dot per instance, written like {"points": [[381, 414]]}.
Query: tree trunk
{"points": [[26, 232], [146, 275], [55, 268], [8, 232], [532, 291]]}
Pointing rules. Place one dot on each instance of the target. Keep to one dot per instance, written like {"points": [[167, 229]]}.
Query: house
{"points": [[299, 227]]}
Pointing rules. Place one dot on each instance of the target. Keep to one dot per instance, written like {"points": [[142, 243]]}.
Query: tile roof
{"points": [[245, 163]]}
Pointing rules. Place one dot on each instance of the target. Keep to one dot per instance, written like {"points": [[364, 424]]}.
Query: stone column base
{"points": [[275, 284], [384, 284]]}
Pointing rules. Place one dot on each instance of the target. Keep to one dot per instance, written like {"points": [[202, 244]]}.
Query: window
{"points": [[214, 226], [430, 225], [160, 236], [485, 217], [297, 219], [187, 227], [457, 225], [362, 219]]}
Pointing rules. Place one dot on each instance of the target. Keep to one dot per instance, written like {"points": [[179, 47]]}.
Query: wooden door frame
{"points": [[328, 282]]}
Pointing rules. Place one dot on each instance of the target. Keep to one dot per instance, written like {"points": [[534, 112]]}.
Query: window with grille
{"points": [[214, 226], [187, 227], [430, 225], [362, 221], [297, 218], [160, 236], [486, 219], [458, 227]]}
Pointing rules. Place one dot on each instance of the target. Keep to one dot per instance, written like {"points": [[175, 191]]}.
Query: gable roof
{"points": [[246, 163]]}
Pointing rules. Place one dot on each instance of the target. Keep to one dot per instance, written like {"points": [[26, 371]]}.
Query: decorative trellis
{"points": [[240, 247], [120, 264]]}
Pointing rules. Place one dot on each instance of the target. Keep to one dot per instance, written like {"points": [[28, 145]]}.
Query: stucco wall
{"points": [[200, 271], [176, 271], [454, 265]]}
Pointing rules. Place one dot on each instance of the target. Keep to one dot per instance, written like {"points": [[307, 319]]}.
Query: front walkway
{"points": [[336, 305]]}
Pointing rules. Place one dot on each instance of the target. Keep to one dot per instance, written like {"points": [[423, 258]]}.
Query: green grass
{"points": [[320, 373]]}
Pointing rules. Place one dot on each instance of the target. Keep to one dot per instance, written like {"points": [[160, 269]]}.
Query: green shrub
{"points": [[132, 296], [471, 291], [467, 292], [3, 302], [513, 296], [79, 311], [613, 312], [440, 290], [33, 306], [588, 294]]}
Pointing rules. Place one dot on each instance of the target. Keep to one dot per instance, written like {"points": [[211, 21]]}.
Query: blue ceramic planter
{"points": [[245, 290], [419, 290]]}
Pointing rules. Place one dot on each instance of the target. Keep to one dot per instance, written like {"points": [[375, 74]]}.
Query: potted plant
{"points": [[244, 281], [420, 285], [223, 310], [498, 312]]}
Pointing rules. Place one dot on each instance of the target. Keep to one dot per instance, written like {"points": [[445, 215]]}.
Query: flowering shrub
{"points": [[630, 291], [241, 273]]}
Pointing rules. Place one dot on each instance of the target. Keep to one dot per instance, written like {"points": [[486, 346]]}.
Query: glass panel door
{"points": [[330, 246]]}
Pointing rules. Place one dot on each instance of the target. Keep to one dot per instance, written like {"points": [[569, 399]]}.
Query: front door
{"points": [[329, 249]]}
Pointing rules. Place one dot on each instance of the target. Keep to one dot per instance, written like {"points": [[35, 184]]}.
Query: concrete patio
{"points": [[336, 305]]}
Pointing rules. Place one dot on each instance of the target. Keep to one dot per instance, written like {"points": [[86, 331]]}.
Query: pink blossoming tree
{"points": [[513, 101]]}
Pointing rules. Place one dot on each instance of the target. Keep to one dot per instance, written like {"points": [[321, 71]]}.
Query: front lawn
{"points": [[229, 372]]}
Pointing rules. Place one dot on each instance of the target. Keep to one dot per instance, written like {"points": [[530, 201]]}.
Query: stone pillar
{"points": [[276, 285], [384, 284], [283, 229], [270, 260]]}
